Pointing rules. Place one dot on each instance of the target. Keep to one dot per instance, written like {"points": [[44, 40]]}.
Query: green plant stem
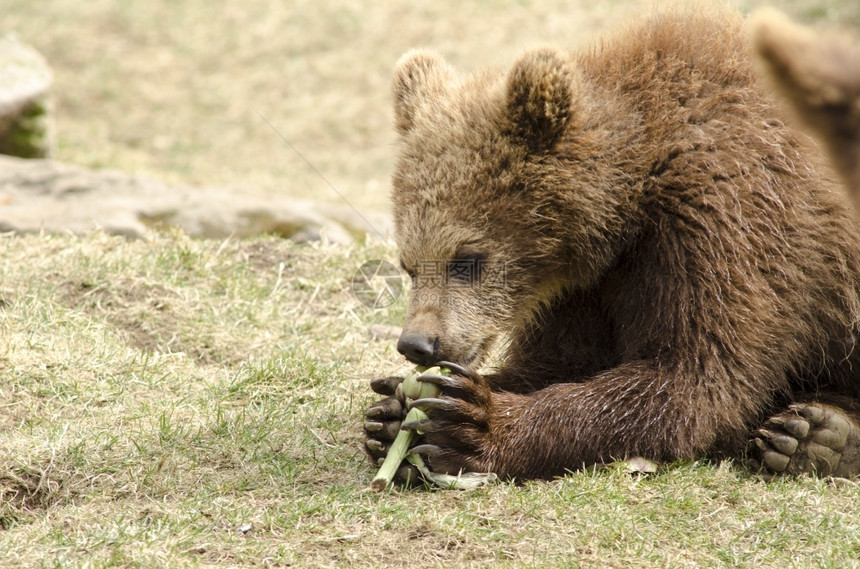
{"points": [[403, 442]]}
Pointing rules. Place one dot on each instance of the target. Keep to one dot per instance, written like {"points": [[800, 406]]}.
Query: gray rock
{"points": [[26, 123], [43, 195]]}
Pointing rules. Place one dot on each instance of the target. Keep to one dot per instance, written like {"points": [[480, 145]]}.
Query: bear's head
{"points": [[478, 188]]}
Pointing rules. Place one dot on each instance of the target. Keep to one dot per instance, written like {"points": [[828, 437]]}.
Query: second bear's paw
{"points": [[808, 438]]}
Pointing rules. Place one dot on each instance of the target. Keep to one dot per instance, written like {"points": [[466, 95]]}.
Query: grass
{"points": [[179, 403], [171, 402]]}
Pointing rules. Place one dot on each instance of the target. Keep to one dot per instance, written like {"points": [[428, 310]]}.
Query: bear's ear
{"points": [[418, 75], [540, 94]]}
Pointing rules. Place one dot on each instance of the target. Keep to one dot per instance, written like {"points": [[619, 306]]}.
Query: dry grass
{"points": [[176, 89], [159, 397], [172, 403]]}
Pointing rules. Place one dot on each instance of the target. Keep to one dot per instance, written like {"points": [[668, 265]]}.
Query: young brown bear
{"points": [[666, 262], [821, 77]]}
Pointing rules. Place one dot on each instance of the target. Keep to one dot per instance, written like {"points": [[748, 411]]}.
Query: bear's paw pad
{"points": [[808, 438]]}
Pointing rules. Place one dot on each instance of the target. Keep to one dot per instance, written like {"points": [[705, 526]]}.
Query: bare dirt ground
{"points": [[186, 91]]}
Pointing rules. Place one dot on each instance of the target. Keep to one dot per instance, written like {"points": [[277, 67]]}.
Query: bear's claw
{"points": [[808, 438], [385, 385], [455, 368]]}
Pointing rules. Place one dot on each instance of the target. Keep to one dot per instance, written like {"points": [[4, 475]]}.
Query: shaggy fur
{"points": [[820, 76], [666, 263]]}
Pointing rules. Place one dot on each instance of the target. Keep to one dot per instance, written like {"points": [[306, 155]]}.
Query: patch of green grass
{"points": [[231, 436]]}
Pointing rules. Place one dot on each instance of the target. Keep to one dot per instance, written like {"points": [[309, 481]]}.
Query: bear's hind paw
{"points": [[808, 438]]}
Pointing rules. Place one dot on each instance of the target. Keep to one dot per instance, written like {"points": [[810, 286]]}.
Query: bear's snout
{"points": [[418, 347]]}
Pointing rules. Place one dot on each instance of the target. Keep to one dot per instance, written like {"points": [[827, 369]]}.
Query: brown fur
{"points": [[820, 75], [676, 266]]}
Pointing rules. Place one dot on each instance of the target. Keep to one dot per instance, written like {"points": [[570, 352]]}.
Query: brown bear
{"points": [[820, 75], [666, 267]]}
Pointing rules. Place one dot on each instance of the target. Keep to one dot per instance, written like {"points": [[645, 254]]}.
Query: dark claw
{"points": [[440, 380], [427, 450], [777, 421], [432, 403], [375, 446], [458, 369], [373, 426], [385, 385], [374, 412], [384, 409], [419, 425], [454, 386]]}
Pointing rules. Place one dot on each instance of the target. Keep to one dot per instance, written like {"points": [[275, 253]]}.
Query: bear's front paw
{"points": [[809, 438], [456, 430], [383, 418]]}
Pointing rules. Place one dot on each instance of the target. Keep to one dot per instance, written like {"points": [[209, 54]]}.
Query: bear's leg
{"points": [[808, 438], [572, 334]]}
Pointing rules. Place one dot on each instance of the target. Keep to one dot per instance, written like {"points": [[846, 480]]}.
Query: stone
{"points": [[44, 195], [26, 122]]}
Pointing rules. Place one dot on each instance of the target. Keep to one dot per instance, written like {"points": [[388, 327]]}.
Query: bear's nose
{"points": [[418, 347]]}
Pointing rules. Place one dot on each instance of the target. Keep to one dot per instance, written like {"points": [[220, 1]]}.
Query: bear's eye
{"points": [[465, 268]]}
